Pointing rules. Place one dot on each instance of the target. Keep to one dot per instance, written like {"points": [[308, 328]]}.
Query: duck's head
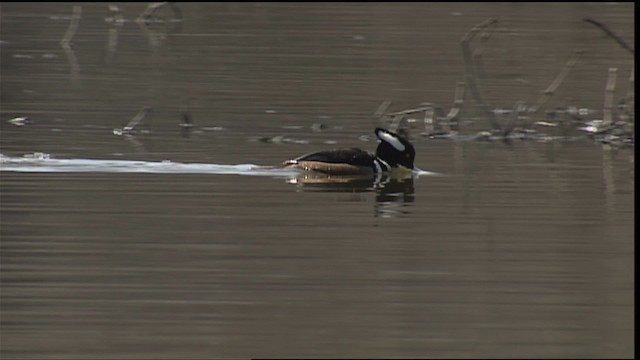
{"points": [[394, 149]]}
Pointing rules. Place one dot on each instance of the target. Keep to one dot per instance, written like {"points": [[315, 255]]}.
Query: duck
{"points": [[394, 154]]}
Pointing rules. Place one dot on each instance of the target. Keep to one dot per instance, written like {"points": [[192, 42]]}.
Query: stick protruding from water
{"points": [[551, 89], [73, 27], [607, 116]]}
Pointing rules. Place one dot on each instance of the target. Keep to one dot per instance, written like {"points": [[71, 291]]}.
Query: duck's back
{"points": [[344, 161], [352, 156]]}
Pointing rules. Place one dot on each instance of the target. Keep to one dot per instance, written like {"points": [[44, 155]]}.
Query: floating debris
{"points": [[484, 136], [37, 156], [592, 126], [20, 121], [585, 111], [115, 15], [501, 111], [445, 135], [186, 125], [544, 123], [318, 127], [186, 120], [134, 126], [279, 139], [212, 128]]}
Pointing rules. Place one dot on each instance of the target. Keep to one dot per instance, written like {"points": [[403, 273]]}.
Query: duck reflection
{"points": [[393, 193], [393, 196]]}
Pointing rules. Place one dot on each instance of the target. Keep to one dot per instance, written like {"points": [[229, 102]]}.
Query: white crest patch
{"points": [[394, 141]]}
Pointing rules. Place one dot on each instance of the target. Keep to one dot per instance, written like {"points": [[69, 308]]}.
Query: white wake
{"points": [[40, 162]]}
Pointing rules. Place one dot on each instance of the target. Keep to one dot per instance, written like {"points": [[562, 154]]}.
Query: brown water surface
{"points": [[520, 250]]}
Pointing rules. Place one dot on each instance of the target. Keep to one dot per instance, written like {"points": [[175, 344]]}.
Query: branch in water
{"points": [[611, 34]]}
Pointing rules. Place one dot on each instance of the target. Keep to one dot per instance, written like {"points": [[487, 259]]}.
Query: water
{"points": [[154, 244], [38, 162]]}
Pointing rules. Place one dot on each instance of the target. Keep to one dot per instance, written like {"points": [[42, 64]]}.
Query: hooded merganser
{"points": [[393, 153]]}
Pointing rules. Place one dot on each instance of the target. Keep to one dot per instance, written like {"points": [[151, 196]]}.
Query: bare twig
{"points": [[429, 121], [470, 75], [116, 17], [611, 34], [474, 30], [112, 43], [116, 20], [518, 108], [412, 111], [177, 13], [74, 67], [73, 26], [479, 49], [382, 109], [186, 120], [608, 97], [141, 115], [67, 44], [395, 122], [186, 125], [153, 7], [458, 101], [550, 90], [627, 103], [148, 12]]}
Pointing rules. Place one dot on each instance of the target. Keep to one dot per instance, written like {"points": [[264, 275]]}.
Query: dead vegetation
{"points": [[522, 121]]}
